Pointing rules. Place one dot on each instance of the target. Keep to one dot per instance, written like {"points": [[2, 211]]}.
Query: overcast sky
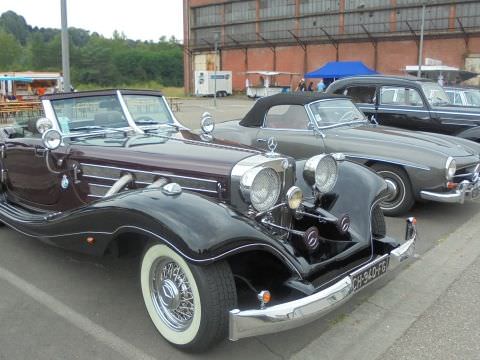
{"points": [[138, 19]]}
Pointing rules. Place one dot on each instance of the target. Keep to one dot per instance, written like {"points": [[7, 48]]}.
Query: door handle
{"points": [[262, 140]]}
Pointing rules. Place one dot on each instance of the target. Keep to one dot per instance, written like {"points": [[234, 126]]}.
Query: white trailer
{"points": [[207, 81]]}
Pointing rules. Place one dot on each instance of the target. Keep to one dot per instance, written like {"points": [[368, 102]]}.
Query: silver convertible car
{"points": [[415, 165]]}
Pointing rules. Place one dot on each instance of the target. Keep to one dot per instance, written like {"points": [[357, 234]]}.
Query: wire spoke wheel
{"points": [[171, 294], [187, 303]]}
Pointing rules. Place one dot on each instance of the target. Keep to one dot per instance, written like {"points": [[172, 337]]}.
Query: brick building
{"points": [[301, 35]]}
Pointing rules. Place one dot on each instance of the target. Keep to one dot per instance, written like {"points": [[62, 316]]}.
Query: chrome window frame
{"points": [[320, 128], [396, 88]]}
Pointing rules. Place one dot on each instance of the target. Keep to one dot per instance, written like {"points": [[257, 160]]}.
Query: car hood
{"points": [[395, 139], [179, 152]]}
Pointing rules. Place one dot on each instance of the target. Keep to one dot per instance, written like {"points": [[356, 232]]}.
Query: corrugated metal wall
{"points": [[277, 17], [316, 7]]}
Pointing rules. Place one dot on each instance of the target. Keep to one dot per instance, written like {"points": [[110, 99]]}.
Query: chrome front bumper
{"points": [[465, 190], [296, 313]]}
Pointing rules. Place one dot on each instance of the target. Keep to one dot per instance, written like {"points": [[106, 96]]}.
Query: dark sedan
{"points": [[415, 165], [409, 103]]}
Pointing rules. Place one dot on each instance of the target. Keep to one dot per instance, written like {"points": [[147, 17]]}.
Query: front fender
{"points": [[201, 229], [356, 191], [470, 134]]}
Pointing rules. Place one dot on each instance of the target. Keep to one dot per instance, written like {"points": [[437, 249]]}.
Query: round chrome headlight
{"points": [[321, 171], [261, 187], [294, 197], [450, 168]]}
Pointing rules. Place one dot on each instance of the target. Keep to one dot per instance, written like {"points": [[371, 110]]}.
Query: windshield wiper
{"points": [[92, 130], [146, 122], [154, 125]]}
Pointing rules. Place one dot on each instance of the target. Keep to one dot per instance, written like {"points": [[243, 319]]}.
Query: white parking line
{"points": [[83, 323]]}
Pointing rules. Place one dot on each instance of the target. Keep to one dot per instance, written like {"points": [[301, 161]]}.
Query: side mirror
{"points": [[207, 123], [43, 124], [52, 139]]}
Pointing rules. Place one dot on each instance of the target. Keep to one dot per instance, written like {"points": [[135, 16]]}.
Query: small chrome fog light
{"points": [[294, 197], [207, 123]]}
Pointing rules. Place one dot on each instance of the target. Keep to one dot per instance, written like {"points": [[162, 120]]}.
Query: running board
{"points": [[20, 214]]}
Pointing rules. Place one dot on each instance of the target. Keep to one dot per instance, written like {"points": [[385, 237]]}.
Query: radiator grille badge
{"points": [[343, 224], [311, 238], [64, 184]]}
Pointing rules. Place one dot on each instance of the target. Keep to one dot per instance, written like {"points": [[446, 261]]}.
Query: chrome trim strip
{"points": [[100, 185], [457, 113], [129, 117], [99, 177], [203, 143], [422, 167], [466, 190], [50, 114], [145, 183], [175, 121], [149, 172], [402, 109]]}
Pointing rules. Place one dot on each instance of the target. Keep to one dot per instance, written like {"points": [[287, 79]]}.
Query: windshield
{"points": [[148, 109], [435, 94], [329, 113], [473, 97], [78, 114]]}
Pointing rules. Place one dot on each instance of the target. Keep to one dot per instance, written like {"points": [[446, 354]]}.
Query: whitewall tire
{"points": [[188, 304]]}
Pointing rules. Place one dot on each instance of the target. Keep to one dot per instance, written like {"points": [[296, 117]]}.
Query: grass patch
{"points": [[169, 91]]}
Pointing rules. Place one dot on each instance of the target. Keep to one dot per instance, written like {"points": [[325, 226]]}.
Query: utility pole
{"points": [[65, 49], [420, 50], [216, 37]]}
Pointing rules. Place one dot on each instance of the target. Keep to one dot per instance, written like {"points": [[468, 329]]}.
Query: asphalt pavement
{"points": [[55, 304]]}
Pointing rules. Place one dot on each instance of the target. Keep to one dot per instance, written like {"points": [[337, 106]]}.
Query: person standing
{"points": [[310, 86], [301, 86], [320, 86]]}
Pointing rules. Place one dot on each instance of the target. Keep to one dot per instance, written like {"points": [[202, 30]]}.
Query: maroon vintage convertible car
{"points": [[235, 241]]}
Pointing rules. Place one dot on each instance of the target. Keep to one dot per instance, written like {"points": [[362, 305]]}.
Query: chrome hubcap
{"points": [[397, 190], [392, 186], [171, 294]]}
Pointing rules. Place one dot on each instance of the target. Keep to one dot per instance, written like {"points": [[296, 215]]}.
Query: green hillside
{"points": [[94, 59]]}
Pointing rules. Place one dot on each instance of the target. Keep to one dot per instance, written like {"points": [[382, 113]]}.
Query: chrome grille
{"points": [[101, 177]]}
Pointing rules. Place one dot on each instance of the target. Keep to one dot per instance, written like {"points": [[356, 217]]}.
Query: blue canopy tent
{"points": [[339, 69]]}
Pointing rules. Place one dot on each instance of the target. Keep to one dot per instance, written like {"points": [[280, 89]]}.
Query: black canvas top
{"points": [[257, 113]]}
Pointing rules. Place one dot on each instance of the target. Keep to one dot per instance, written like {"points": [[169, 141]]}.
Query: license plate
{"points": [[365, 276]]}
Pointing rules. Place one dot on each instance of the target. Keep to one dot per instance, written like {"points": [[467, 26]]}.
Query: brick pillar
{"points": [[341, 17], [452, 17], [393, 16], [257, 17], [187, 58], [297, 19]]}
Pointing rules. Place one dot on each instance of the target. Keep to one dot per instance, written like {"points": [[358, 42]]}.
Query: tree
{"points": [[16, 25], [11, 51]]}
